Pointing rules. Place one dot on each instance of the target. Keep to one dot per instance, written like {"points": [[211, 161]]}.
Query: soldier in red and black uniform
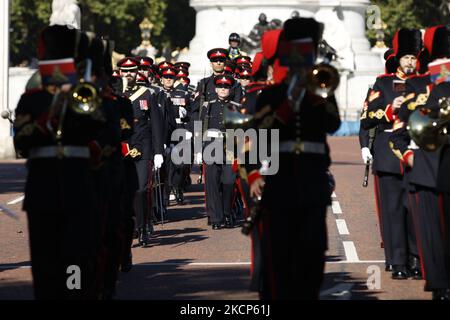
{"points": [[145, 144], [384, 102], [421, 169], [219, 175], [177, 114], [294, 218], [367, 137], [57, 138]]}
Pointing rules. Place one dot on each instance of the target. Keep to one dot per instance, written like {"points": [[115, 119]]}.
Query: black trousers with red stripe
{"points": [[429, 229], [395, 225], [293, 243]]}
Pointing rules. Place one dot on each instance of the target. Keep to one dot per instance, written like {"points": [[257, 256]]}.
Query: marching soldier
{"points": [[219, 175], [367, 137], [179, 106], [54, 134], [383, 103], [146, 143], [300, 230], [145, 68], [205, 88], [422, 170]]}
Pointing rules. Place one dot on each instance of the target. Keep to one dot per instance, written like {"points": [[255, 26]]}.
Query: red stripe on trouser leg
{"points": [[419, 240], [416, 222]]}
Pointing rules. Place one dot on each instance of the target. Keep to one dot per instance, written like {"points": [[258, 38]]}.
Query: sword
{"points": [[159, 194], [8, 212]]}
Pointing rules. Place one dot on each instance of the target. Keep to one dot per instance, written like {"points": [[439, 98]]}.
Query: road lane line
{"points": [[336, 207], [17, 200], [342, 227], [350, 251]]}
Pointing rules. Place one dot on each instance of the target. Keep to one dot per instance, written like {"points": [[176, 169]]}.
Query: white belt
{"points": [[59, 152], [214, 134], [302, 147], [389, 130]]}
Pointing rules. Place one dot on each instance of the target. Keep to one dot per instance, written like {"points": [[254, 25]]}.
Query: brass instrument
{"points": [[84, 98], [323, 79], [427, 130]]}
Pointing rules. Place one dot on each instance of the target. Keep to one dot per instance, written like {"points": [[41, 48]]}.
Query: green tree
{"points": [[174, 23], [410, 14]]}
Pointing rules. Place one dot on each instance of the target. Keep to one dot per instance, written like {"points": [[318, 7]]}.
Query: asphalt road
{"points": [[188, 260]]}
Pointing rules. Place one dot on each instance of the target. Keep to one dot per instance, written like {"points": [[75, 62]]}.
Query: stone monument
{"points": [[345, 25]]}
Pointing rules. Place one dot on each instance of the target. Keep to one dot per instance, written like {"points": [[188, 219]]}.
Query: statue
{"points": [[145, 49], [251, 43]]}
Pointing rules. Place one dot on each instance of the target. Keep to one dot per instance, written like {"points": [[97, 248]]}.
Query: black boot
{"points": [[414, 268], [143, 237], [228, 222], [399, 272], [179, 196]]}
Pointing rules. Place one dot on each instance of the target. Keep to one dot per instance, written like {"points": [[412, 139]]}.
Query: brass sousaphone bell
{"points": [[427, 130], [84, 98]]}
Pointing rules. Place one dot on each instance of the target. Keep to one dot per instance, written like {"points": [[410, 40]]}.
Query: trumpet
{"points": [[427, 130], [323, 79]]}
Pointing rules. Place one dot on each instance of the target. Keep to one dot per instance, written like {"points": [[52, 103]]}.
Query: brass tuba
{"points": [[427, 131]]}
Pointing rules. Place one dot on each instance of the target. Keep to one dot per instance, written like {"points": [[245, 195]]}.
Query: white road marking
{"points": [[336, 207], [350, 251], [342, 227], [17, 200], [8, 212]]}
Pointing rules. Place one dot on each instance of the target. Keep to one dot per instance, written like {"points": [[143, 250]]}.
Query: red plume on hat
{"points": [[437, 42], [257, 62], [269, 43]]}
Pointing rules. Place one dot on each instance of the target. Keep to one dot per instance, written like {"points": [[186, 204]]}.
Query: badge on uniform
{"points": [[143, 104], [179, 101], [440, 71]]}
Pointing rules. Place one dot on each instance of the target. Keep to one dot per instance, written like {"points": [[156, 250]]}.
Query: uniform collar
{"points": [[400, 74]]}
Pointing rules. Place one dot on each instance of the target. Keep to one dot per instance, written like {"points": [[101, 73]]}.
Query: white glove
{"points": [[366, 155], [182, 112], [198, 158], [158, 161], [188, 135]]}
